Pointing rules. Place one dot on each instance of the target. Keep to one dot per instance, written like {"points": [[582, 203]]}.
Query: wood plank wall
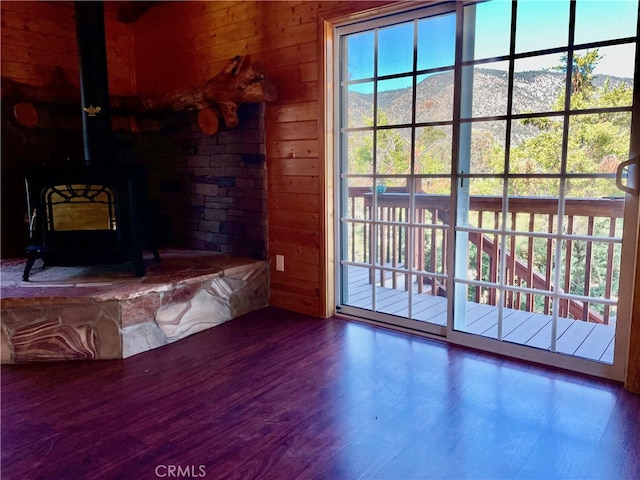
{"points": [[38, 37], [182, 44]]}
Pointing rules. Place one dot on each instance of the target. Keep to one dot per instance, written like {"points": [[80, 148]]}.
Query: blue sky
{"points": [[541, 24]]}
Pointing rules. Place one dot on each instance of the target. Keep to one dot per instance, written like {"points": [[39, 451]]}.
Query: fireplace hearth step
{"points": [[78, 257], [101, 312]]}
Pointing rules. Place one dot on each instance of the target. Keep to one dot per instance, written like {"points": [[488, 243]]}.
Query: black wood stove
{"points": [[88, 215], [96, 211]]}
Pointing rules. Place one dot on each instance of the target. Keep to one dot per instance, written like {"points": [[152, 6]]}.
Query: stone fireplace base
{"points": [[105, 312]]}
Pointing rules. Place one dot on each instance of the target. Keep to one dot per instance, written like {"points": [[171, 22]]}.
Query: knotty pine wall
{"points": [[182, 44], [38, 37]]}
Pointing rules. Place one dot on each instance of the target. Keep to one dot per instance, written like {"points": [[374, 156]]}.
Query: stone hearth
{"points": [[105, 312]]}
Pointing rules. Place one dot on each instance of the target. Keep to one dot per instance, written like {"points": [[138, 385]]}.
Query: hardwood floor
{"points": [[279, 395]]}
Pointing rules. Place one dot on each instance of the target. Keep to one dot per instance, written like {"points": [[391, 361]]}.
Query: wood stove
{"points": [[93, 212], [88, 215]]}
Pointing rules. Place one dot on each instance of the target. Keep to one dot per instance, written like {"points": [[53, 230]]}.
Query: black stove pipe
{"points": [[94, 82]]}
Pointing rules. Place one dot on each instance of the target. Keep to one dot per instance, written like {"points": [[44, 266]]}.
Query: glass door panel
{"points": [[396, 163], [539, 224]]}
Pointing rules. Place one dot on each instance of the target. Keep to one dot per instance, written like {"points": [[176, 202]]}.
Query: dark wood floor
{"points": [[278, 395]]}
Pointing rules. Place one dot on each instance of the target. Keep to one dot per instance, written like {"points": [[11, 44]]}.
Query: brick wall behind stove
{"points": [[209, 192]]}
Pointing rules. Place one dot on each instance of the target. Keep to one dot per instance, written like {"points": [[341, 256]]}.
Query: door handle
{"points": [[633, 172]]}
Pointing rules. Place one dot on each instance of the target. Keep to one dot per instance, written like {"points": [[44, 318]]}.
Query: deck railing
{"points": [[528, 259]]}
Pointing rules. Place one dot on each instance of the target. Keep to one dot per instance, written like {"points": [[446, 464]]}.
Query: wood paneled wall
{"points": [[182, 44], [38, 37]]}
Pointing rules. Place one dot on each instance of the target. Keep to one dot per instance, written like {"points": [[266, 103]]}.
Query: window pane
{"points": [[397, 302], [587, 339], [487, 147], [486, 200], [538, 86], [603, 277], [492, 30], [603, 77], [514, 319], [392, 185], [592, 266], [359, 152], [356, 242], [605, 200], [395, 49], [434, 99], [359, 111], [536, 145], [393, 198], [436, 41], [359, 203], [489, 90], [358, 280], [80, 207], [541, 25], [433, 150], [480, 312], [485, 247], [392, 239], [428, 306], [528, 268], [538, 196], [438, 189], [395, 99], [360, 49], [598, 142], [598, 20], [393, 151], [431, 245], [532, 329]]}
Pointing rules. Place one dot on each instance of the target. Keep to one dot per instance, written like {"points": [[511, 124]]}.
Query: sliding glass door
{"points": [[540, 218], [477, 153], [396, 123]]}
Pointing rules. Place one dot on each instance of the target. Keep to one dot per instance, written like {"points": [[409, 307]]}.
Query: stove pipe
{"points": [[94, 82]]}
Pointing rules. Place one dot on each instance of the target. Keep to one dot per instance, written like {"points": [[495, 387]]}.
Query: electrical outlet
{"points": [[280, 263]]}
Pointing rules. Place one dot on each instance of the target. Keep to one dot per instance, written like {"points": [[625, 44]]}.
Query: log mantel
{"points": [[217, 100]]}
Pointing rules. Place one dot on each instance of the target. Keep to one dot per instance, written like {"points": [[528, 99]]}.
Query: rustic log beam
{"points": [[26, 114], [217, 101], [56, 90], [209, 121], [53, 105], [239, 82]]}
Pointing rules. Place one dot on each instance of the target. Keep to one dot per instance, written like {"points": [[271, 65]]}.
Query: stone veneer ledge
{"points": [[103, 312]]}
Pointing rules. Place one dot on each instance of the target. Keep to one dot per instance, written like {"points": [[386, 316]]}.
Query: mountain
{"points": [[533, 91]]}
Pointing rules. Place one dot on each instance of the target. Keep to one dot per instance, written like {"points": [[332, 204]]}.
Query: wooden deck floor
{"points": [[578, 338]]}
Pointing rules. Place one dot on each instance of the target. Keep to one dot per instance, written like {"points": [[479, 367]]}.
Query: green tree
{"points": [[596, 142]]}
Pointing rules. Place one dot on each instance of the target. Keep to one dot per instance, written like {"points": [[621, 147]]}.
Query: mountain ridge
{"points": [[533, 91]]}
